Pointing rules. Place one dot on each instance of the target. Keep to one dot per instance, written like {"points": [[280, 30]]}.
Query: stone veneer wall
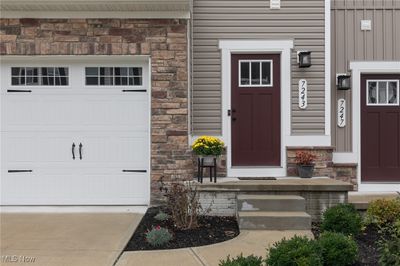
{"points": [[323, 163], [346, 172], [165, 40]]}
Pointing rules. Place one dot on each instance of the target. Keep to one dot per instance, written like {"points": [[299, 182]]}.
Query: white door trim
{"points": [[282, 47], [357, 69]]}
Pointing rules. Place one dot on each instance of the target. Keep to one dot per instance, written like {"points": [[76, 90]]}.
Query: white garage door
{"points": [[74, 132]]}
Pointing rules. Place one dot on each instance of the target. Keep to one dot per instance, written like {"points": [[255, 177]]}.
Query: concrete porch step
{"points": [[271, 203], [258, 220]]}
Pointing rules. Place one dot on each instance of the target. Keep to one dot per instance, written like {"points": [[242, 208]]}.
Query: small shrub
{"points": [[242, 261], [158, 236], [389, 247], [338, 249], [342, 218], [182, 201], [161, 216], [297, 251], [383, 212]]}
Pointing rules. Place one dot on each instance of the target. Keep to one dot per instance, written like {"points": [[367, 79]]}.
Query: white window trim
{"points": [[358, 68], [377, 91], [282, 47], [271, 84]]}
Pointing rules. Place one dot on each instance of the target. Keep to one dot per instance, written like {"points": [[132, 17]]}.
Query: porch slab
{"points": [[280, 184], [362, 199]]}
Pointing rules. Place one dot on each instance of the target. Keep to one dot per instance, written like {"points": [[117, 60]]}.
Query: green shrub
{"points": [[383, 212], [389, 247], [338, 249], [161, 216], [342, 218], [297, 251], [242, 261], [158, 236]]}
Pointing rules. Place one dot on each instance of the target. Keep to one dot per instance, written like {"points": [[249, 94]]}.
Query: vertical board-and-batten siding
{"points": [[350, 43], [299, 20]]}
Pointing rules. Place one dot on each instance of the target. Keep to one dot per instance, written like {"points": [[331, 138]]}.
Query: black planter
{"points": [[305, 171]]}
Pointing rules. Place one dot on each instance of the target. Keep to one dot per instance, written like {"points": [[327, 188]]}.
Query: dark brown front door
{"points": [[380, 128], [255, 107]]}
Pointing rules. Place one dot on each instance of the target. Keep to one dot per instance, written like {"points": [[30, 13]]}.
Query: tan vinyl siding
{"points": [[349, 43], [298, 20]]}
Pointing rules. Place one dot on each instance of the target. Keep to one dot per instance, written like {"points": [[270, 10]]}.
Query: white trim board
{"points": [[358, 68], [97, 14], [328, 68], [73, 209]]}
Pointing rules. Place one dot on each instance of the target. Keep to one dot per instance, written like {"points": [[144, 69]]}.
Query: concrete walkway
{"points": [[74, 239], [248, 242]]}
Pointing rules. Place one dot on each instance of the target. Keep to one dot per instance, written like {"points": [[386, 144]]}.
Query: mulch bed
{"points": [[211, 230], [367, 245]]}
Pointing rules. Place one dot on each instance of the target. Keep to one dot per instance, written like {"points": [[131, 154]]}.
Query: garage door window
{"points": [[39, 76], [383, 92], [113, 76]]}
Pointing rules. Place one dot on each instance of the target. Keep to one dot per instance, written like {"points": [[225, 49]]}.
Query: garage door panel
{"points": [[39, 112], [71, 189], [38, 147]]}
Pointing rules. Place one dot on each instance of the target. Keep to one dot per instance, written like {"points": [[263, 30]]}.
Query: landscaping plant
{"points": [[208, 146], [382, 212], [183, 204], [389, 246], [158, 236], [305, 163], [161, 216], [297, 251], [338, 249], [242, 261], [342, 218]]}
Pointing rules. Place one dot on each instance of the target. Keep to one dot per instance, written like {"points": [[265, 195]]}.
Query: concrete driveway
{"points": [[72, 239]]}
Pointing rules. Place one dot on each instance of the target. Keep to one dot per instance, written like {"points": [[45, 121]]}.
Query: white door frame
{"points": [[105, 59], [358, 68], [282, 47]]}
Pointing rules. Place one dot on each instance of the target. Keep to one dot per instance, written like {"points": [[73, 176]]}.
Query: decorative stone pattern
{"points": [[323, 163], [165, 40], [223, 203], [346, 172]]}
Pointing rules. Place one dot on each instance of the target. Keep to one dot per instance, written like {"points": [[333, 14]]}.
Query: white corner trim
{"points": [[328, 68], [283, 47], [358, 68], [344, 157], [97, 14]]}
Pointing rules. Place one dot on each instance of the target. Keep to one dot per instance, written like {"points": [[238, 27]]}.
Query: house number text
{"points": [[302, 94], [341, 119]]}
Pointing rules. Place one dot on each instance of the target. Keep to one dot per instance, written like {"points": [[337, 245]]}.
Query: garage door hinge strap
{"points": [[134, 171], [20, 171], [19, 91], [133, 90]]}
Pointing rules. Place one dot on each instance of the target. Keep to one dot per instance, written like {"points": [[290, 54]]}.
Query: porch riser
{"points": [[271, 205]]}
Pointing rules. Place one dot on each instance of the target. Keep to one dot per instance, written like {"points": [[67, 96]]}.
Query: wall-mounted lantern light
{"points": [[343, 81], [304, 58]]}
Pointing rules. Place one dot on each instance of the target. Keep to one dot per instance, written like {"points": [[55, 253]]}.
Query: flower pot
{"points": [[305, 171], [208, 160]]}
